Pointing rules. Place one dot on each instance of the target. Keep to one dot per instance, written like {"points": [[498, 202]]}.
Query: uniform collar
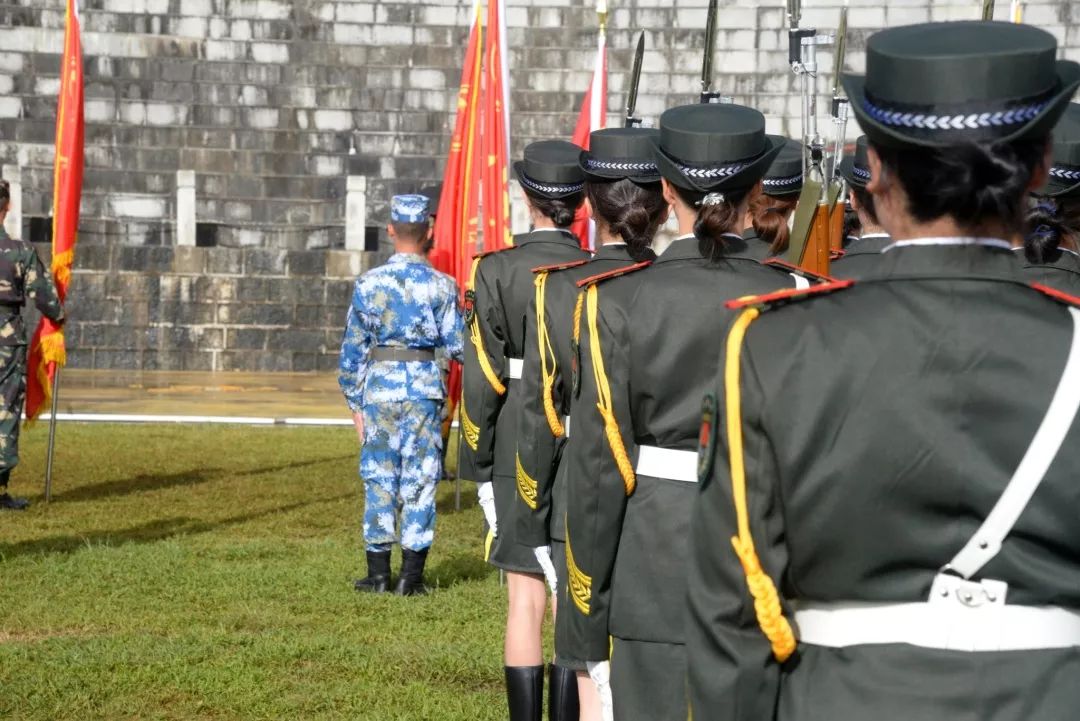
{"points": [[407, 258], [612, 251], [686, 247], [990, 258], [871, 244], [548, 235]]}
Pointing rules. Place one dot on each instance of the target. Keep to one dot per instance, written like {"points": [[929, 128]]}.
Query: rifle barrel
{"points": [[635, 81], [710, 49], [840, 51], [988, 10]]}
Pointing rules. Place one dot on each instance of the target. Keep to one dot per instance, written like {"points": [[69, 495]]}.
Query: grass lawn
{"points": [[191, 573]]}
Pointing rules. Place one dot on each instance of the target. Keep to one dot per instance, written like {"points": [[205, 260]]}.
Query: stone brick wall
{"points": [[274, 102]]}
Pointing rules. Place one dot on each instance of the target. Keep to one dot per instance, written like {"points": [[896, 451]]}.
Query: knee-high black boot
{"points": [[562, 694], [378, 573], [525, 692]]}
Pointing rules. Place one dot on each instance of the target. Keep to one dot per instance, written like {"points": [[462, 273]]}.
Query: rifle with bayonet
{"points": [[837, 191], [811, 236], [708, 95], [633, 121]]}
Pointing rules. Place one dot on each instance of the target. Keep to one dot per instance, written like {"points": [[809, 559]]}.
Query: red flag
{"points": [[495, 141], [457, 220], [593, 116], [47, 346], [456, 225]]}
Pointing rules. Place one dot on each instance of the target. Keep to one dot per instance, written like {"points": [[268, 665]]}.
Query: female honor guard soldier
{"points": [[624, 197], [861, 255], [887, 522], [646, 342], [1053, 227], [771, 206], [496, 306]]}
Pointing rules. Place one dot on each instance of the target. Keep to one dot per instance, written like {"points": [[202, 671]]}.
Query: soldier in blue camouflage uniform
{"points": [[22, 277], [403, 315]]}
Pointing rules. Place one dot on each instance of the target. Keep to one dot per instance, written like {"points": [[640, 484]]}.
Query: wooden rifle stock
{"points": [[810, 245]]}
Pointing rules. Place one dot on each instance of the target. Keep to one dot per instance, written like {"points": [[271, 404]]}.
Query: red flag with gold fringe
{"points": [[496, 136], [47, 352]]}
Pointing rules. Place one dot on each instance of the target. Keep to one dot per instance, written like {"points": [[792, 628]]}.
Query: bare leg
{"points": [[525, 619], [588, 698]]}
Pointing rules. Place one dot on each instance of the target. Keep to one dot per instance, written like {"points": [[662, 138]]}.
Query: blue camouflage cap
{"points": [[409, 209]]}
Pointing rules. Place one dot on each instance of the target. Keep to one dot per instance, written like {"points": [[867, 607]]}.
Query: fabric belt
{"points": [[668, 463], [514, 366], [566, 426], [391, 353], [992, 627]]}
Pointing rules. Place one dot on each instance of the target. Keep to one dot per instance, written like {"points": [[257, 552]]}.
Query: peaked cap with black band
{"points": [[855, 169], [940, 84], [550, 169], [785, 176], [621, 154], [709, 148], [1065, 172]]}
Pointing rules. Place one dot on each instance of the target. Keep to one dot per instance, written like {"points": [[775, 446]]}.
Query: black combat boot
{"points": [[562, 694], [7, 501], [525, 692], [378, 573], [411, 580]]}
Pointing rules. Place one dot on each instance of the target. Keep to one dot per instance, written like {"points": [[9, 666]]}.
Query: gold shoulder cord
{"points": [[770, 614], [478, 340], [603, 392], [547, 353]]}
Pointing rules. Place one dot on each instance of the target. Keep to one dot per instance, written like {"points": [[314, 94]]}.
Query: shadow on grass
{"points": [[468, 497], [146, 533], [457, 569], [156, 482]]}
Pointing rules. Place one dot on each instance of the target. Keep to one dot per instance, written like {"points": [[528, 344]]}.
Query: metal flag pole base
{"points": [[52, 436]]}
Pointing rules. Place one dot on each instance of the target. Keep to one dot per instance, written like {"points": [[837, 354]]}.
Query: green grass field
{"points": [[188, 573]]}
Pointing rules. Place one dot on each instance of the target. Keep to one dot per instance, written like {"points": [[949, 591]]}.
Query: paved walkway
{"points": [[220, 395]]}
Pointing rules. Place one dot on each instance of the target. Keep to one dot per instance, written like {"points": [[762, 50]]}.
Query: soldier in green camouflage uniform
{"points": [[22, 277]]}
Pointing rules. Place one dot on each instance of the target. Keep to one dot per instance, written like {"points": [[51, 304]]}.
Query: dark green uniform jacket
{"points": [[499, 301], [541, 503], [860, 257], [1063, 273], [23, 277], [657, 330], [881, 423], [752, 245]]}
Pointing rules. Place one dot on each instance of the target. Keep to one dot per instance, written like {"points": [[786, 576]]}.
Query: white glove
{"points": [[543, 557], [600, 673], [485, 494]]}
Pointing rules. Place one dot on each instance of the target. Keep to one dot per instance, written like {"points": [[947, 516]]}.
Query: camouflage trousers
{"points": [[12, 397], [400, 464]]}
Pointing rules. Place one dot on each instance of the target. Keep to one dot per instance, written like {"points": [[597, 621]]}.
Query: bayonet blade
{"points": [[988, 10], [710, 49], [635, 81], [839, 50], [794, 13]]}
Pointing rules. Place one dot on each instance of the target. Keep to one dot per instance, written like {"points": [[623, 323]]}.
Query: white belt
{"points": [[566, 426], [995, 627], [514, 366], [669, 463]]}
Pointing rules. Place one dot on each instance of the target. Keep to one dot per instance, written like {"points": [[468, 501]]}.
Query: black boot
{"points": [[10, 503], [378, 573], [411, 580], [562, 694], [525, 692]]}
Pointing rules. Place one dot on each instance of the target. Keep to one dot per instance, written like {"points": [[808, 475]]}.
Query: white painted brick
{"points": [[270, 52], [224, 50], [200, 8], [100, 111], [333, 120], [190, 27], [165, 114], [11, 62], [47, 86], [433, 15], [133, 113], [261, 9], [348, 33], [261, 117], [136, 206], [355, 13], [327, 165], [906, 15], [240, 30], [873, 17], [427, 79], [10, 107]]}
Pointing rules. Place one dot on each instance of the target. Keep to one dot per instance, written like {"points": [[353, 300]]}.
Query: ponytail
{"points": [[718, 213], [769, 216], [1049, 224]]}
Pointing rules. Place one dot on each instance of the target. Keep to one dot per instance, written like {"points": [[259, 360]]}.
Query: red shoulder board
{"points": [[1057, 294], [561, 266], [837, 254], [798, 270], [789, 295], [613, 273]]}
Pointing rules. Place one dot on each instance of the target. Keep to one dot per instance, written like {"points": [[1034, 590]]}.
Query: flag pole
{"points": [[52, 436]]}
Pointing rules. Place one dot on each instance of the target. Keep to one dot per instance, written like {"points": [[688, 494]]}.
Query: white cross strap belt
{"points": [[962, 614], [942, 625], [514, 366], [566, 426], [669, 463]]}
